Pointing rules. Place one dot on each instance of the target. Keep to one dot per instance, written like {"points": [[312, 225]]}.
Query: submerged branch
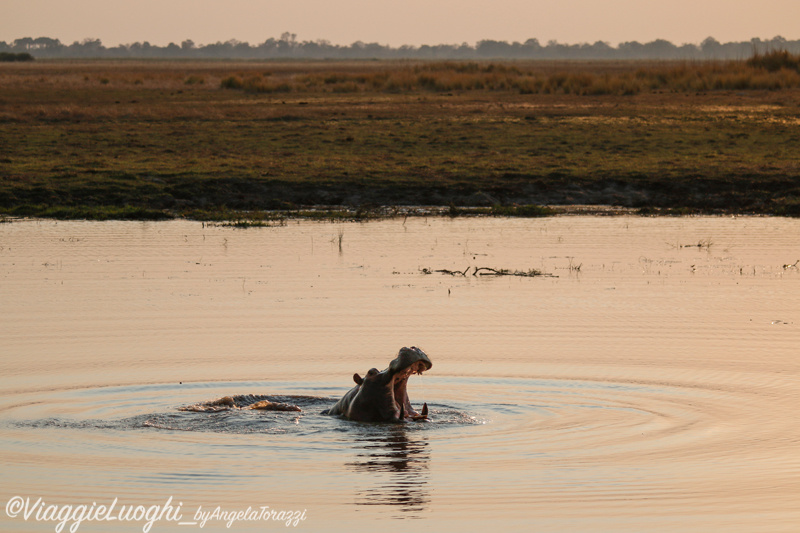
{"points": [[448, 272], [487, 271]]}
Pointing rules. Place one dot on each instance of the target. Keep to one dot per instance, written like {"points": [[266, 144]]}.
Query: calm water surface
{"points": [[649, 382]]}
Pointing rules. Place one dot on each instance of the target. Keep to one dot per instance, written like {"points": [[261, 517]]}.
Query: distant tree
{"points": [[630, 50], [267, 48], [532, 44], [46, 43], [710, 47], [287, 46], [660, 49], [26, 43], [492, 49], [599, 50], [690, 51], [139, 49]]}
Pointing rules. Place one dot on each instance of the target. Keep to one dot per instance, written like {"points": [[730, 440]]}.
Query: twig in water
{"points": [[453, 272], [700, 244], [486, 271]]}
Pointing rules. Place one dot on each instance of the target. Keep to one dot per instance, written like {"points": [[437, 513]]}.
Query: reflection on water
{"points": [[650, 384], [393, 464]]}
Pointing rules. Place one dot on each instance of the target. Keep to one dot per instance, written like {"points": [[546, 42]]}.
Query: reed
{"points": [[774, 61]]}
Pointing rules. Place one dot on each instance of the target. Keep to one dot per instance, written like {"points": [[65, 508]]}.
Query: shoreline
{"points": [[270, 218]]}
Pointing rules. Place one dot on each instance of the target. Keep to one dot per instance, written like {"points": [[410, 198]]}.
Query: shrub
{"points": [[9, 56], [259, 85], [232, 82]]}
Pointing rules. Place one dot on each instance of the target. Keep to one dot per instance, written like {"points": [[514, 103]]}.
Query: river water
{"points": [[647, 380]]}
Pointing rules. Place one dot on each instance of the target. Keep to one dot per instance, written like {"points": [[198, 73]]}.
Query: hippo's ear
{"points": [[357, 379]]}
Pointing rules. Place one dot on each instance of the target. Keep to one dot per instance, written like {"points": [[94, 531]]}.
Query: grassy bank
{"points": [[161, 139]]}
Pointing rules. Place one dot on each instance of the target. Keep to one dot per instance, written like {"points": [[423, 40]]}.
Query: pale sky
{"points": [[397, 22]]}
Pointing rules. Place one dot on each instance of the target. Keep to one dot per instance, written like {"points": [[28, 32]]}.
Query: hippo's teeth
{"points": [[423, 415]]}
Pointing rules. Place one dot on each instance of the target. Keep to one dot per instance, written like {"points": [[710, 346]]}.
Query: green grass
{"points": [[89, 213], [526, 211]]}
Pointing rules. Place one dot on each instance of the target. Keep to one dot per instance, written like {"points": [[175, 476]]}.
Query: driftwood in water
{"points": [[486, 271], [445, 271]]}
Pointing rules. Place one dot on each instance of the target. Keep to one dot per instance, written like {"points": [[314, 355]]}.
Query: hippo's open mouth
{"points": [[383, 396], [399, 390]]}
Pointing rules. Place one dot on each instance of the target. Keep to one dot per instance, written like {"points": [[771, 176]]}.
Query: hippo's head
{"points": [[383, 396], [389, 389]]}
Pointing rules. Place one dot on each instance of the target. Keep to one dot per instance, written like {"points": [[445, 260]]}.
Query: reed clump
{"points": [[256, 84], [775, 60]]}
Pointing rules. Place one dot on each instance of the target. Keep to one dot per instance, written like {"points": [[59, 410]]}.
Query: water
{"points": [[648, 383]]}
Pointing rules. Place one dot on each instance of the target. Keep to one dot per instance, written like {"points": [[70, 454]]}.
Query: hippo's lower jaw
{"points": [[400, 393], [383, 396]]}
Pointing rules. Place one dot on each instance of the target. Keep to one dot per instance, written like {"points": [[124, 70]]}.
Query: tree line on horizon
{"points": [[288, 47]]}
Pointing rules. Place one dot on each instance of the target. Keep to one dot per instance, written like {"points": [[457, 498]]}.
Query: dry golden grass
{"points": [[571, 78]]}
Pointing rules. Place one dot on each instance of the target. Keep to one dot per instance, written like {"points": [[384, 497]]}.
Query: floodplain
{"points": [[202, 139]]}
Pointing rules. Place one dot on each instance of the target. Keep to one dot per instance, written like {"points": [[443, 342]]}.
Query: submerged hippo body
{"points": [[383, 396]]}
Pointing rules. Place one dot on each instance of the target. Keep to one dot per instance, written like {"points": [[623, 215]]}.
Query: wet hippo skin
{"points": [[383, 396]]}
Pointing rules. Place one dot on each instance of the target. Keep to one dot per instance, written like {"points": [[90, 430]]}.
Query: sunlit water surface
{"points": [[648, 382]]}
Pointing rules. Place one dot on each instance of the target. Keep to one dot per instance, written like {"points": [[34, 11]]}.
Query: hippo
{"points": [[242, 401], [382, 396]]}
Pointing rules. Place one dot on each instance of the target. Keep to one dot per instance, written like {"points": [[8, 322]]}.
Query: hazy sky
{"points": [[396, 22]]}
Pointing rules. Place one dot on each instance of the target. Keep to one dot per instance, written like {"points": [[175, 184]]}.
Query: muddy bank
{"points": [[219, 198], [737, 195]]}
